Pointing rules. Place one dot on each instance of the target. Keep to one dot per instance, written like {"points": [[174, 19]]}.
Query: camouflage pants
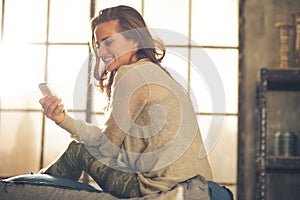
{"points": [[77, 159]]}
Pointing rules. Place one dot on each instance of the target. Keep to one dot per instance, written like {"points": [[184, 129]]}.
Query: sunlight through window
{"points": [[25, 21], [42, 43]]}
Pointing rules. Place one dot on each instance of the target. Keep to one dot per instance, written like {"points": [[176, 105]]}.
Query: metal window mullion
{"points": [[2, 20], [189, 45], [46, 79]]}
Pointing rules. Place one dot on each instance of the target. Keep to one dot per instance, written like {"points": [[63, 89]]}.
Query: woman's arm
{"points": [[82, 131], [79, 129]]}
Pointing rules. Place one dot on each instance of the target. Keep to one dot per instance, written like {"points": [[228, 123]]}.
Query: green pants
{"points": [[77, 159]]}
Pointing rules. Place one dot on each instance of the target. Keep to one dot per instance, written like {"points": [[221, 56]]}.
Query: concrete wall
{"points": [[259, 47]]}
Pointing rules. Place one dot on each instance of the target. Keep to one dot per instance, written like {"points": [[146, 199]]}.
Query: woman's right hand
{"points": [[53, 109]]}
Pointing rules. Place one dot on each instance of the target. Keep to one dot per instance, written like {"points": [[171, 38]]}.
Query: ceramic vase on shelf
{"points": [[285, 143], [297, 40], [284, 36]]}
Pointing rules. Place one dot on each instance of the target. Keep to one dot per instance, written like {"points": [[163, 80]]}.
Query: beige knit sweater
{"points": [[150, 129]]}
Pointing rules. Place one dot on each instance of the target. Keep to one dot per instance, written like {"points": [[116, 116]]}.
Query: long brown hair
{"points": [[132, 26]]}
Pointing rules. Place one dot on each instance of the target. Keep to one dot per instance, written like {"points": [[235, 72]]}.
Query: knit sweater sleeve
{"points": [[93, 136], [82, 131]]}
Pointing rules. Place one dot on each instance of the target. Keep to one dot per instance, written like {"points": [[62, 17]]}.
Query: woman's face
{"points": [[113, 48]]}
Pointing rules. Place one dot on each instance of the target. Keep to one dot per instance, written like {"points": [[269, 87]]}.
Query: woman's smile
{"points": [[107, 60]]}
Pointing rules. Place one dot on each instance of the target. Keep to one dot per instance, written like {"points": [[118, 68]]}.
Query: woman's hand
{"points": [[53, 109]]}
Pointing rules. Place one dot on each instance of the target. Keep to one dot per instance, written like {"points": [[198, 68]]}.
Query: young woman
{"points": [[150, 140]]}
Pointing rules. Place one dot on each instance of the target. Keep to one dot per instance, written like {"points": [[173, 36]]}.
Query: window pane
{"points": [[225, 62], [20, 74], [101, 4], [176, 63], [99, 100], [69, 21], [20, 143], [223, 145], [168, 14], [203, 82], [68, 71], [25, 21], [215, 25]]}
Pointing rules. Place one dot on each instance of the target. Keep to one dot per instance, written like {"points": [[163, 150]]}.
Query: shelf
{"points": [[278, 109], [283, 163], [282, 79]]}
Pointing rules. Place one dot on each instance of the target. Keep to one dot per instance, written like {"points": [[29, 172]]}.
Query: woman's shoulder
{"points": [[137, 65], [138, 69]]}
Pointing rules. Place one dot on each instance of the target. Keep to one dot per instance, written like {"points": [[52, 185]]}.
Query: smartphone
{"points": [[46, 89]]}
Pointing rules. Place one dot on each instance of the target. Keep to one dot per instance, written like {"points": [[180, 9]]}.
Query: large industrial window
{"points": [[47, 40]]}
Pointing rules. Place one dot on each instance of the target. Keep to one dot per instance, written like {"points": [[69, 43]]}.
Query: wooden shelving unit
{"points": [[278, 110]]}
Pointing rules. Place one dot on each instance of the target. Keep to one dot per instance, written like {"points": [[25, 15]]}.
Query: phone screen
{"points": [[46, 89]]}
